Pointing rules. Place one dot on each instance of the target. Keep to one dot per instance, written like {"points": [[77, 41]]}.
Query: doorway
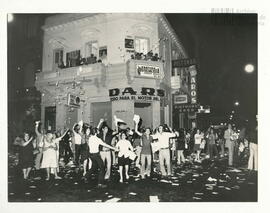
{"points": [[50, 115], [145, 111]]}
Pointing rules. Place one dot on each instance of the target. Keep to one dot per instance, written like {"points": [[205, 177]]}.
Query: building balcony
{"points": [[66, 75]]}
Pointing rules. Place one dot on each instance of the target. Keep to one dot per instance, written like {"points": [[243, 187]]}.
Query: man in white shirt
{"points": [[94, 143], [164, 151], [229, 143]]}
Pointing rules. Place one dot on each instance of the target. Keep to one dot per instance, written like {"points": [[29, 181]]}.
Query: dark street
{"points": [[209, 181]]}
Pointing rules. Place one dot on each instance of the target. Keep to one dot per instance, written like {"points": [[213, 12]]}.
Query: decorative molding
{"points": [[90, 34], [57, 42]]}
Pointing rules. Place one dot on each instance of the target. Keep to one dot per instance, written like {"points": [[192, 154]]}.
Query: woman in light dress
{"points": [[50, 148]]}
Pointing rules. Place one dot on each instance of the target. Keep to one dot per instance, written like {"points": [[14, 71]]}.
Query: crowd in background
{"points": [[148, 150]]}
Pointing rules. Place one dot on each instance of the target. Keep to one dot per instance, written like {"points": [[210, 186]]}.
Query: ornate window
{"points": [[142, 45]]}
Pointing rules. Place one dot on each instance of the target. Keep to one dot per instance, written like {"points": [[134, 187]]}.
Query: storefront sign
{"points": [[193, 88], [187, 107], [73, 100], [186, 62], [144, 94], [148, 71], [180, 99]]}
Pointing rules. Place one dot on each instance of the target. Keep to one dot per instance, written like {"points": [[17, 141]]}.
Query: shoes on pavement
{"points": [[101, 186]]}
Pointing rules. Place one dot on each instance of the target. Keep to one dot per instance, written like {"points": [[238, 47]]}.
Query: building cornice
{"points": [[172, 34], [69, 21]]}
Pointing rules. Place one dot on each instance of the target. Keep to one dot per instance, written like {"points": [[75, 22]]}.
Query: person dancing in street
{"points": [[180, 146], [228, 136], [94, 142], [77, 136], [106, 135], [146, 152], [124, 147], [85, 158], [26, 158], [197, 144], [164, 151], [50, 148]]}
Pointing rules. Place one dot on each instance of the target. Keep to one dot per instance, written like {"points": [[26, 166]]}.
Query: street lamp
{"points": [[236, 103], [249, 68]]}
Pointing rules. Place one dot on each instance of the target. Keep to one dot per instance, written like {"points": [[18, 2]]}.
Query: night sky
{"points": [[222, 45]]}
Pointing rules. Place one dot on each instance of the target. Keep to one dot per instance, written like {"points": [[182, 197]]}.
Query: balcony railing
{"points": [[68, 74]]}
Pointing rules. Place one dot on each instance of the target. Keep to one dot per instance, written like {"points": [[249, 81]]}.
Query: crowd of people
{"points": [[149, 150]]}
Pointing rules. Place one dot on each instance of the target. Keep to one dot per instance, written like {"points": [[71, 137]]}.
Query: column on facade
{"points": [[156, 113], [60, 116], [42, 118]]}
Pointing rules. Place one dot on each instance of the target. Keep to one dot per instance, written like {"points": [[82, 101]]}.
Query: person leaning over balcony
{"points": [[164, 151]]}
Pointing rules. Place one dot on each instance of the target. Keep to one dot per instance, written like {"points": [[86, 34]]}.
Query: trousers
{"points": [[146, 161], [253, 157], [107, 159], [164, 155]]}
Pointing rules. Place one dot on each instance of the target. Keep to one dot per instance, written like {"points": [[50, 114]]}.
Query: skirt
{"points": [[122, 161], [49, 159], [197, 147]]}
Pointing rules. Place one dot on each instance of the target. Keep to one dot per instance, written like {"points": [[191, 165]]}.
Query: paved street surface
{"points": [[191, 182]]}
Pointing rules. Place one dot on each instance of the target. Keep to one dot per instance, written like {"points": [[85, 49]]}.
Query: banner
{"points": [[186, 62], [148, 71], [180, 99]]}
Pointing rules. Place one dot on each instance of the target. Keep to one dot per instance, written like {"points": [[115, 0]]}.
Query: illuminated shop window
{"points": [[176, 71], [57, 57], [142, 45], [92, 49]]}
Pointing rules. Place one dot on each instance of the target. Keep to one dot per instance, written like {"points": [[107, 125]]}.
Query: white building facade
{"points": [[100, 65]]}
